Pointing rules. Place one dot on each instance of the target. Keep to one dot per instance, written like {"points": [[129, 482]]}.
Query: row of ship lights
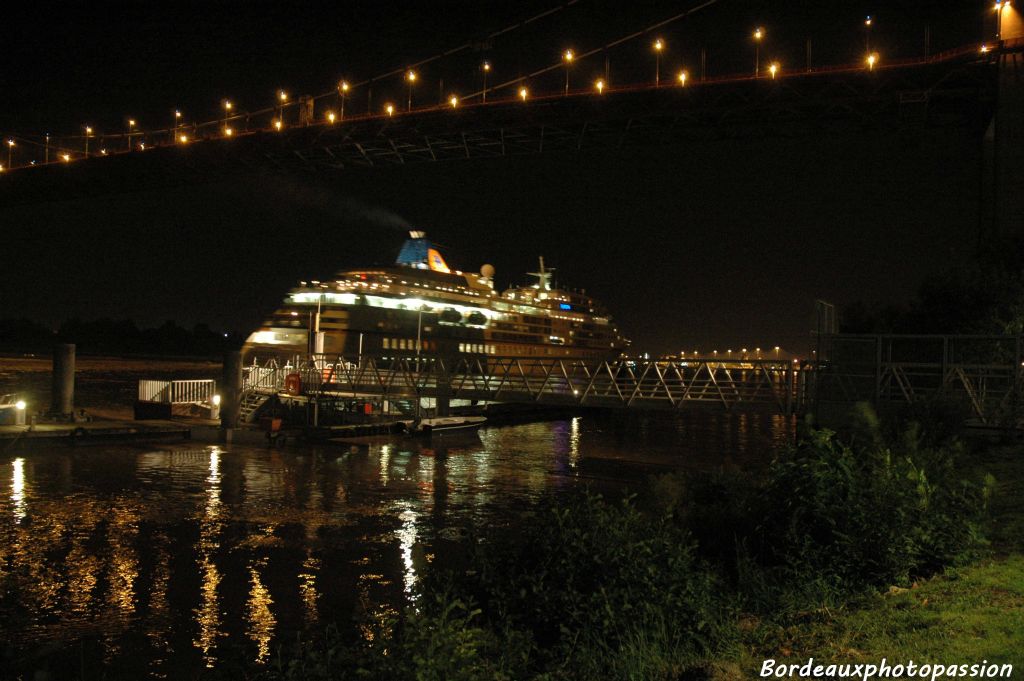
{"points": [[568, 58]]}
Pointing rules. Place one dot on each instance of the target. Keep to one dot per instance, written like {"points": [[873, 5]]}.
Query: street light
{"points": [[10, 152], [410, 76], [228, 132], [343, 88], [454, 101], [88, 134], [131, 126], [600, 87], [330, 117], [485, 68], [872, 60], [183, 139], [177, 122], [390, 109], [773, 69], [66, 157], [758, 36], [868, 21], [277, 124], [523, 92], [659, 45], [682, 77], [567, 57]]}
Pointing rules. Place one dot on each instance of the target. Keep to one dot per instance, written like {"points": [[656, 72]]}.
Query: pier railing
{"points": [[177, 392], [648, 384]]}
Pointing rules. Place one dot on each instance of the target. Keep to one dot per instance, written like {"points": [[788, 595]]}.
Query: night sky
{"points": [[712, 244]]}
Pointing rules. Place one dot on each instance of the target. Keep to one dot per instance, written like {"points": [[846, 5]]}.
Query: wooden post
{"points": [[63, 393]]}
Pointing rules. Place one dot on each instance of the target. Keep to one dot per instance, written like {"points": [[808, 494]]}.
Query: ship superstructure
{"points": [[420, 306]]}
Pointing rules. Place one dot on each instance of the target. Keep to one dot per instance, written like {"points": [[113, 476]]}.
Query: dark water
{"points": [[127, 562]]}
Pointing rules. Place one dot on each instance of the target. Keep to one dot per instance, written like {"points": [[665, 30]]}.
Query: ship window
{"points": [[387, 343], [462, 347]]}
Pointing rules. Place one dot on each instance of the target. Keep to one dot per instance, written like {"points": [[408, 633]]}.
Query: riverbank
{"points": [[966, 615]]}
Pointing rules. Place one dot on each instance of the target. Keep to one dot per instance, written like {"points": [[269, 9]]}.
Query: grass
{"points": [[966, 615]]}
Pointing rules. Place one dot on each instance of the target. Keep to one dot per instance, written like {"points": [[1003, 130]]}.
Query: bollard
{"points": [[231, 390], [63, 392]]}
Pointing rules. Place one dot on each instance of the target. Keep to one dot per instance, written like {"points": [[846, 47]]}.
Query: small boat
{"points": [[445, 425]]}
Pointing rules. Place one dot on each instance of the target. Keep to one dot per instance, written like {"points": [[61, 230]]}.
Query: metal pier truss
{"points": [[731, 385]]}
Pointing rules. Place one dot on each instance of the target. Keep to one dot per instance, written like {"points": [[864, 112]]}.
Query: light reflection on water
{"points": [[157, 562]]}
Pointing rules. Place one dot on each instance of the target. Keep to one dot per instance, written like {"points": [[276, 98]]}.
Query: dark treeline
{"points": [[111, 336], [984, 295]]}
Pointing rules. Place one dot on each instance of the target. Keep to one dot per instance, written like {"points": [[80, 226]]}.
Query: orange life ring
{"points": [[293, 384]]}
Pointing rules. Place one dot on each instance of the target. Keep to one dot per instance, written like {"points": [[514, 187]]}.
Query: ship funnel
{"points": [[487, 275]]}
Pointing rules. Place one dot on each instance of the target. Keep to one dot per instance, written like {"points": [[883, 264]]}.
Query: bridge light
{"points": [[88, 130], [20, 405], [486, 66], [411, 77], [867, 20], [215, 400], [872, 60], [659, 45], [228, 105], [758, 33], [228, 132], [330, 117], [177, 114], [277, 124], [773, 69], [454, 101], [344, 86], [142, 146], [390, 109], [66, 157], [523, 92], [600, 87], [984, 49], [568, 56], [682, 77], [282, 95], [183, 139], [103, 152]]}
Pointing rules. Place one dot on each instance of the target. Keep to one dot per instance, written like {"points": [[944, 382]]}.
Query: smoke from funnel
{"points": [[343, 208]]}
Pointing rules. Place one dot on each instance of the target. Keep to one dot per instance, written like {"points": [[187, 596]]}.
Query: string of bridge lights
{"points": [[225, 125]]}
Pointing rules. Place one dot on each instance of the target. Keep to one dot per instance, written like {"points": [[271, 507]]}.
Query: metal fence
{"points": [[983, 374]]}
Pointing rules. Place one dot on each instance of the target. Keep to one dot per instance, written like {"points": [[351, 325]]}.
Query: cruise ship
{"points": [[421, 307]]}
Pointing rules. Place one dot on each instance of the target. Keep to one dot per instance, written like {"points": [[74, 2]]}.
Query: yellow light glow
{"points": [[1, 167], [758, 33], [486, 66], [773, 69], [454, 101], [344, 86], [142, 147], [411, 76], [131, 122], [10, 143], [20, 404], [177, 114], [183, 139], [872, 60], [215, 400], [867, 21], [88, 130], [66, 157], [568, 56], [282, 95], [330, 117], [277, 123], [984, 49], [659, 45], [228, 105], [103, 152], [228, 132], [523, 92], [682, 77], [390, 109], [600, 86]]}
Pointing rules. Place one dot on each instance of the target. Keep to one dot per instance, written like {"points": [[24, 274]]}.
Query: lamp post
{"points": [[758, 36], [600, 87], [342, 91], [659, 45], [410, 77], [682, 78], [177, 124], [567, 57], [773, 68], [867, 33], [10, 152], [485, 68], [88, 134], [523, 93], [282, 98], [131, 127]]}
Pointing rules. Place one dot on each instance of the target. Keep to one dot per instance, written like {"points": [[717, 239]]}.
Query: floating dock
{"points": [[92, 432]]}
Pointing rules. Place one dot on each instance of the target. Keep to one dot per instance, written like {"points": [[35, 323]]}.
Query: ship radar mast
{"points": [[543, 276]]}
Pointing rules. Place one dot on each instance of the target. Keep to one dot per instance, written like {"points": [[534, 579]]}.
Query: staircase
{"points": [[406, 407], [251, 403]]}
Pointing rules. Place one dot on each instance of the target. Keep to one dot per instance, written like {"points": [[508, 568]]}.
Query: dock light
{"points": [[88, 130], [410, 77], [103, 152], [454, 101], [758, 33], [1, 167], [568, 56], [215, 400], [66, 157], [131, 121], [228, 132], [600, 87], [20, 405], [277, 124], [183, 139], [523, 92], [485, 68], [142, 146], [177, 114], [228, 105], [282, 95], [330, 117], [390, 109], [773, 69], [682, 77], [872, 60], [344, 86], [984, 49]]}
